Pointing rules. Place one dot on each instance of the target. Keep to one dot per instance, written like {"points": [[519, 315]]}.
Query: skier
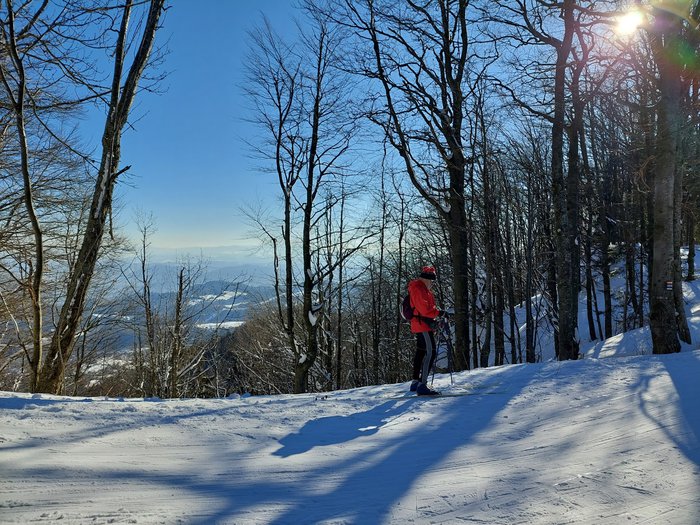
{"points": [[425, 313]]}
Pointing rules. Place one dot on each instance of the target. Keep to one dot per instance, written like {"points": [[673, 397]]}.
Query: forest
{"points": [[531, 151]]}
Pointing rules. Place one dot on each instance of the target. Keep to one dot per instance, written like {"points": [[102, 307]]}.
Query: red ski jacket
{"points": [[423, 302]]}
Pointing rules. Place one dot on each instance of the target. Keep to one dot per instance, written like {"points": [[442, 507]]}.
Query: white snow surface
{"points": [[596, 441], [224, 325]]}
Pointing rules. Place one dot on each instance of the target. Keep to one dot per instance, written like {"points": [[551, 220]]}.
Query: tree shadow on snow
{"points": [[363, 485], [368, 493], [360, 485], [687, 386], [686, 435]]}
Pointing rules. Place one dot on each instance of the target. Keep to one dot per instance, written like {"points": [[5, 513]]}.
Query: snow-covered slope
{"points": [[597, 441]]}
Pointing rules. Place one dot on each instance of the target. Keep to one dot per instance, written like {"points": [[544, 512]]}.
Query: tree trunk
{"points": [[690, 225], [566, 321], [631, 284], [499, 344], [515, 348], [177, 338], [339, 323], [681, 318], [400, 288], [590, 285], [607, 293], [459, 242], [489, 256], [552, 292], [664, 330], [473, 296], [530, 356]]}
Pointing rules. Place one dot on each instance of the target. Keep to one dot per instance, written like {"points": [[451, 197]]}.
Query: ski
{"points": [[476, 392], [412, 395]]}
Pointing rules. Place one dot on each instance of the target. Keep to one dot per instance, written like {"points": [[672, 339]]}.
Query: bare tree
{"points": [[15, 84], [273, 86], [125, 81], [418, 54], [302, 109], [529, 161], [39, 43], [528, 21], [172, 356]]}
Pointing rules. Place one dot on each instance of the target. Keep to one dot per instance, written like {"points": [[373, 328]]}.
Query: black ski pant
{"points": [[426, 351]]}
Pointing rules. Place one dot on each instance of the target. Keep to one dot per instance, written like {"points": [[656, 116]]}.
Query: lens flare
{"points": [[628, 23]]}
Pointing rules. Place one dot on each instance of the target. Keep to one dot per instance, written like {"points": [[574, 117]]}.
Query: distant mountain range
{"points": [[220, 301], [223, 304], [222, 263]]}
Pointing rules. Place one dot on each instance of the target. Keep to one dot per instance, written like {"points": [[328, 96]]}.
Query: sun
{"points": [[628, 23]]}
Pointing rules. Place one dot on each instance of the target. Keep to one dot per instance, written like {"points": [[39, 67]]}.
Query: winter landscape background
{"points": [[530, 151], [612, 438]]}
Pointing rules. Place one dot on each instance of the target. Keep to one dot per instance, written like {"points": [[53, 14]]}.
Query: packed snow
{"points": [[612, 438], [602, 441]]}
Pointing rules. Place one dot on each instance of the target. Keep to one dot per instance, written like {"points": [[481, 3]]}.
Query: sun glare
{"points": [[628, 23]]}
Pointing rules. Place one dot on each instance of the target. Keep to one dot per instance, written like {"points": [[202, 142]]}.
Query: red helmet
{"points": [[428, 272]]}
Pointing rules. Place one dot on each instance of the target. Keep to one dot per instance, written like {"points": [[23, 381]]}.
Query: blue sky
{"points": [[190, 168]]}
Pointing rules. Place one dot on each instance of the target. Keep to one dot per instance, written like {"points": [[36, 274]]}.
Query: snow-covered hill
{"points": [[597, 441]]}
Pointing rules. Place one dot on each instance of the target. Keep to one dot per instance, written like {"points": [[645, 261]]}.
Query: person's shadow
{"points": [[378, 475], [334, 430]]}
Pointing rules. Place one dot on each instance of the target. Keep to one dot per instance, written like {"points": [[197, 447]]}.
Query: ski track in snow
{"points": [[595, 441]]}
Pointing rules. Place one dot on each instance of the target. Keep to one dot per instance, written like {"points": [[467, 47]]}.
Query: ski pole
{"points": [[450, 357], [437, 350]]}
